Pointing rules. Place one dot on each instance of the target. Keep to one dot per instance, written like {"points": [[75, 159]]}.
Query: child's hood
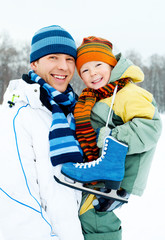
{"points": [[126, 69]]}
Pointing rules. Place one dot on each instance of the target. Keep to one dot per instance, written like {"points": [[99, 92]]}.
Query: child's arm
{"points": [[140, 134], [136, 120], [142, 125]]}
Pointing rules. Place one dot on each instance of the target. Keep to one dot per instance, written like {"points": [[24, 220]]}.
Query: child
{"points": [[135, 121]]}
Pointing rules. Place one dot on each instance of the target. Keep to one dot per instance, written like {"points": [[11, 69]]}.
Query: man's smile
{"points": [[59, 77]]}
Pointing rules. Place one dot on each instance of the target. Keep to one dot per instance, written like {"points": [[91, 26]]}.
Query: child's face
{"points": [[95, 74]]}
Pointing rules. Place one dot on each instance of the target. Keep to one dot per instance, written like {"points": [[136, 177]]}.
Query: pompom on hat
{"points": [[52, 39], [95, 49]]}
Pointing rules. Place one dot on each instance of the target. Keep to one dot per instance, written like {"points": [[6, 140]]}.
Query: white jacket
{"points": [[33, 206]]}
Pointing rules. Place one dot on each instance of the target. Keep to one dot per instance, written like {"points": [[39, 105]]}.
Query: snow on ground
{"points": [[143, 217]]}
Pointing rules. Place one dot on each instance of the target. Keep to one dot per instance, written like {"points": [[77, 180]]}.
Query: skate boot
{"points": [[109, 168]]}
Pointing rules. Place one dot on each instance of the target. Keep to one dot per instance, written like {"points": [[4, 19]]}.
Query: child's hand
{"points": [[107, 205], [101, 135]]}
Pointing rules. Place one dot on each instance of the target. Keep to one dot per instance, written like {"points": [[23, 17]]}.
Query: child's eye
{"points": [[98, 64], [85, 70]]}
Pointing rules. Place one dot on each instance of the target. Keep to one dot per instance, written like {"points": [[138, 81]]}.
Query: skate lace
{"points": [[95, 162], [105, 148], [88, 164]]}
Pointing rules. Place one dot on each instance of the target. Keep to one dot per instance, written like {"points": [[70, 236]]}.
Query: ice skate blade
{"points": [[79, 186]]}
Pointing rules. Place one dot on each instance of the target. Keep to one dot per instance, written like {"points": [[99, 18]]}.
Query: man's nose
{"points": [[62, 64]]}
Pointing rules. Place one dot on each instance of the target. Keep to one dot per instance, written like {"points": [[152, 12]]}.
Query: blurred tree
{"points": [[8, 56], [14, 61], [23, 62], [155, 79], [77, 84], [135, 57], [154, 71]]}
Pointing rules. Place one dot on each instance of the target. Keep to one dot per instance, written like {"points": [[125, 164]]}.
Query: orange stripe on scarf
{"points": [[84, 130]]}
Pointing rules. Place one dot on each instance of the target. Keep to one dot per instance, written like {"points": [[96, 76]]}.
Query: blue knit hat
{"points": [[52, 39]]}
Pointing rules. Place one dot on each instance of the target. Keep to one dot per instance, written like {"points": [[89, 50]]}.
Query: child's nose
{"points": [[93, 72]]}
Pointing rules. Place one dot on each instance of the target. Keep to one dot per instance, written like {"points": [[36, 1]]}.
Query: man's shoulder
{"points": [[11, 90], [13, 84]]}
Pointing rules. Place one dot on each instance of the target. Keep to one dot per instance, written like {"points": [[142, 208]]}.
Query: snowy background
{"points": [[143, 217], [136, 25]]}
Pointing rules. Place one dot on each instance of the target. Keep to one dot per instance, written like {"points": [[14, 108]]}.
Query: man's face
{"points": [[56, 69]]}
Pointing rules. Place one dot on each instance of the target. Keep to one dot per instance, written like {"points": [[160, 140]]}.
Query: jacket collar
{"points": [[126, 69], [21, 91]]}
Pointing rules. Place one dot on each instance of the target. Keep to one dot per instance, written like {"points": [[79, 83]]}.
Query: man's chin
{"points": [[61, 88]]}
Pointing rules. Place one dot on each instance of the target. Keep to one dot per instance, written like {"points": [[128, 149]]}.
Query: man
{"points": [[36, 137]]}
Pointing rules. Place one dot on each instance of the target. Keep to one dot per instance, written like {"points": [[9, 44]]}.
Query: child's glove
{"points": [[102, 204], [102, 133]]}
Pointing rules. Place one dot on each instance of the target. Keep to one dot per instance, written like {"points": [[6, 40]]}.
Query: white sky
{"points": [[128, 24]]}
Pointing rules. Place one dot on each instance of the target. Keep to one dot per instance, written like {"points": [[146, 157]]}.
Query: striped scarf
{"points": [[62, 138], [84, 130]]}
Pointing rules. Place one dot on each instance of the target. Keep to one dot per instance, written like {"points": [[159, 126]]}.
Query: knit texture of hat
{"points": [[95, 49], [52, 39]]}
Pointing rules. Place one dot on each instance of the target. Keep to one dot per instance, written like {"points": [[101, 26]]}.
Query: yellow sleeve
{"points": [[133, 102]]}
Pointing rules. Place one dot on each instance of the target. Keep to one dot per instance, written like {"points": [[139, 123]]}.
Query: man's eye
{"points": [[53, 57], [71, 59]]}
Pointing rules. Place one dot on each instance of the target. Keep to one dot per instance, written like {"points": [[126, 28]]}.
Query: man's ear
{"points": [[34, 65]]}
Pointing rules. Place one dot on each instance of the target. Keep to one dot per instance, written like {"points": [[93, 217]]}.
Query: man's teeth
{"points": [[60, 77]]}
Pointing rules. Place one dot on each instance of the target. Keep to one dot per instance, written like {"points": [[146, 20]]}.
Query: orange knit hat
{"points": [[95, 49]]}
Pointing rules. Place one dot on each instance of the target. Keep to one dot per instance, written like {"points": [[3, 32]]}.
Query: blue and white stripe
{"points": [[64, 147], [52, 39], [47, 42]]}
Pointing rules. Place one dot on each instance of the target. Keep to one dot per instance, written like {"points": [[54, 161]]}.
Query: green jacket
{"points": [[135, 121]]}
